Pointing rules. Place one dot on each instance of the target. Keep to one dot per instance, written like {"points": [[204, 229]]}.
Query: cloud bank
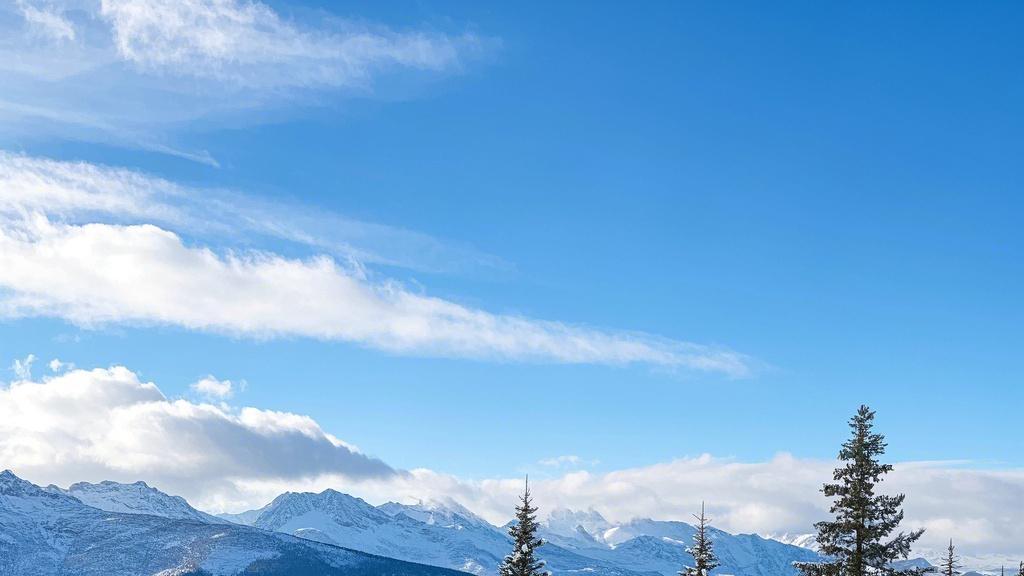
{"points": [[96, 273], [108, 424]]}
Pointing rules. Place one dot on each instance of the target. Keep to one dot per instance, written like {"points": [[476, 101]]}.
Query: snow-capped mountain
{"points": [[49, 533], [576, 529], [438, 533], [809, 541], [338, 518], [660, 546], [136, 498], [446, 512], [136, 529], [447, 534]]}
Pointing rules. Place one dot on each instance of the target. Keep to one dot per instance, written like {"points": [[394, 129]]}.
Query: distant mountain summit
{"points": [[445, 533], [113, 528], [809, 541], [50, 533], [660, 546], [445, 512], [136, 498]]}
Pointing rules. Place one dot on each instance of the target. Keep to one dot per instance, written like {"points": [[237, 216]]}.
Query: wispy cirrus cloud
{"points": [[80, 192], [100, 246], [249, 44], [132, 72]]}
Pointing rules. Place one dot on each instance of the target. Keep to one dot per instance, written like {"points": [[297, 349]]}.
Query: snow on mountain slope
{"points": [[48, 533], [437, 533], [353, 523], [576, 529], [246, 518], [446, 512], [137, 498], [809, 541], [447, 534], [660, 546]]}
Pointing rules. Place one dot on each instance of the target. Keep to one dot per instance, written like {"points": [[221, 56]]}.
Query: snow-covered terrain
{"points": [[448, 534], [809, 541], [49, 533], [660, 546], [109, 528], [137, 498], [432, 533]]}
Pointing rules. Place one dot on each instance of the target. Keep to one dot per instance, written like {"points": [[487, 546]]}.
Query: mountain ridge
{"points": [[443, 533], [49, 533]]}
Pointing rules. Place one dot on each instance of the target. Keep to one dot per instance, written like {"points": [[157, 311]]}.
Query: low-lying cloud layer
{"points": [[65, 253], [108, 424]]}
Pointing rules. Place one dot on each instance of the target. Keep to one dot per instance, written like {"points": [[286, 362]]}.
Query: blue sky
{"points": [[829, 192]]}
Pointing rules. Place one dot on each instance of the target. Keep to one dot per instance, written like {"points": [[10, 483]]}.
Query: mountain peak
{"points": [[136, 498], [437, 511], [12, 484]]}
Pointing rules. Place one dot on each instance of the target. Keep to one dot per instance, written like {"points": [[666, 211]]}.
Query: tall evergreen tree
{"points": [[704, 559], [1021, 571], [522, 561], [854, 542], [949, 564]]}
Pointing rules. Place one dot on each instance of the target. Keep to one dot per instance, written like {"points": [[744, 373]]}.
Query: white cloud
{"points": [[57, 366], [133, 72], [775, 496], [47, 20], [107, 423], [83, 192], [22, 367], [98, 274], [248, 43], [568, 459], [210, 387]]}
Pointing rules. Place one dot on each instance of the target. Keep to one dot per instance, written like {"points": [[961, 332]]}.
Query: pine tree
{"points": [[854, 541], [950, 563], [522, 562], [704, 559], [1021, 571]]}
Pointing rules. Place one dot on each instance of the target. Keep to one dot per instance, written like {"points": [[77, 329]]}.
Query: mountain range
{"points": [[47, 532], [100, 528]]}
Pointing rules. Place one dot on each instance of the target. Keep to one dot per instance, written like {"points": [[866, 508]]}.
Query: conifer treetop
{"points": [[522, 561], [704, 559], [950, 564], [857, 542]]}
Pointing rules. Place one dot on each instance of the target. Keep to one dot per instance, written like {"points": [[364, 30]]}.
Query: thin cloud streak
{"points": [[79, 192], [101, 274], [72, 247], [135, 72]]}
